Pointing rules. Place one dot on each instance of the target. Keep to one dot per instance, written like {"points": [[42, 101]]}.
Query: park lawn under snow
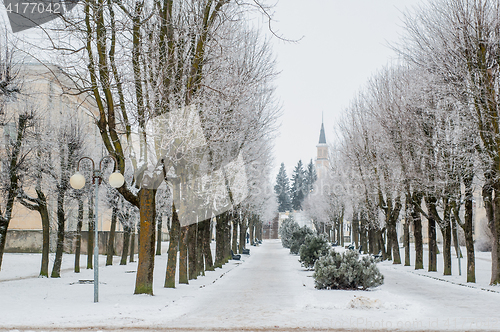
{"points": [[267, 289]]}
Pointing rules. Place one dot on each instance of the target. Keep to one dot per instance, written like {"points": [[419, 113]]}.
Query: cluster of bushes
{"points": [[292, 235], [332, 270], [346, 271]]}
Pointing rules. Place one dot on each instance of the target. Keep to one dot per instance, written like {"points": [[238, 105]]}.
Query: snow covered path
{"points": [[443, 305], [262, 291], [271, 290], [267, 290]]}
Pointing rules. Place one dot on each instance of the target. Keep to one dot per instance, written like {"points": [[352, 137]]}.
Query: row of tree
{"points": [[183, 94], [302, 184], [423, 136]]}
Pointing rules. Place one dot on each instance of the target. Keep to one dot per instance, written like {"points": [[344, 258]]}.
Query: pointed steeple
{"points": [[322, 138]]}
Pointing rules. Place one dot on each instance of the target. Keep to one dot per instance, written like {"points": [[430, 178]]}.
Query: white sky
{"points": [[345, 42]]}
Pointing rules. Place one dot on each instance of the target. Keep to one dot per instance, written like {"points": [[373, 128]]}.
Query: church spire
{"points": [[322, 138]]}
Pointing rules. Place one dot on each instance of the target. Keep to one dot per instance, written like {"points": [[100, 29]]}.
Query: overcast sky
{"points": [[344, 42]]}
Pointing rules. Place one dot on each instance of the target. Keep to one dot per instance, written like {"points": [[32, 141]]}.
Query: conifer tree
{"points": [[298, 186], [311, 176], [282, 190]]}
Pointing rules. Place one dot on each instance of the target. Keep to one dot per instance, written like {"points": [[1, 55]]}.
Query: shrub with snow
{"points": [[346, 271], [298, 238], [313, 248], [286, 231]]}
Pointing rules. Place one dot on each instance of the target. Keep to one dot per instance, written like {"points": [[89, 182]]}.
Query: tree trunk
{"points": [[220, 239], [388, 240], [406, 229], [144, 278], [432, 245], [417, 233], [207, 252], [337, 231], [243, 236], [110, 251], [56, 269], [496, 239], [494, 256], [487, 193], [192, 234], [393, 234], [183, 255], [200, 268], [446, 231], [234, 241], [406, 240], [341, 226], [371, 241], [79, 225], [227, 238], [456, 242], [380, 245], [355, 229], [251, 233], [132, 243], [469, 240], [172, 250], [159, 233], [454, 235], [126, 245], [362, 237], [4, 224], [90, 236]]}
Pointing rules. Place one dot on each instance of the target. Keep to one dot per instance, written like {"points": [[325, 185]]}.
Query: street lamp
{"points": [[77, 181]]}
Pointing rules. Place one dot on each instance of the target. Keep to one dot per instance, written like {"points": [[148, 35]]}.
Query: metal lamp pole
{"points": [[77, 181], [96, 176]]}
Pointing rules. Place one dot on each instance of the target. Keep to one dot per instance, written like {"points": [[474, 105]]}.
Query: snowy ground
{"points": [[267, 290]]}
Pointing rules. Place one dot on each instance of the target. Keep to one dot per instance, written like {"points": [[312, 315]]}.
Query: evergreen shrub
{"points": [[288, 226], [313, 248], [298, 238], [346, 271]]}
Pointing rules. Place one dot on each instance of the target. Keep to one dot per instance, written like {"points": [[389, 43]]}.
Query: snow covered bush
{"points": [[286, 231], [346, 271], [298, 239], [313, 248]]}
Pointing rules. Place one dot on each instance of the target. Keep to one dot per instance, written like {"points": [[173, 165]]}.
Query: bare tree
{"points": [[456, 41], [15, 126]]}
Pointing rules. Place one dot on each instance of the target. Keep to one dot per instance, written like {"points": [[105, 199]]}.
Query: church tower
{"points": [[322, 163]]}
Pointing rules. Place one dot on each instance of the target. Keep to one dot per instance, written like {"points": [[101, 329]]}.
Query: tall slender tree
{"points": [[297, 192], [310, 177], [282, 190]]}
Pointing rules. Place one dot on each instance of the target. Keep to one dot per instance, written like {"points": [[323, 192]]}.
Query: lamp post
{"points": [[77, 181]]}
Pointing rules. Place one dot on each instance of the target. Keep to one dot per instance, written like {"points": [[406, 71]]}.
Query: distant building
{"points": [[270, 229], [322, 161]]}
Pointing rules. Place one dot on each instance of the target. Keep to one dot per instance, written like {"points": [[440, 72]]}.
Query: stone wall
{"points": [[19, 241]]}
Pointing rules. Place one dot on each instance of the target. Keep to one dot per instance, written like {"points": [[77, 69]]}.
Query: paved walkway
{"points": [[266, 291], [271, 290], [257, 292]]}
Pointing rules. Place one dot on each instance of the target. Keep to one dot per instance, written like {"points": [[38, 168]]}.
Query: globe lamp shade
{"points": [[77, 181], [116, 180]]}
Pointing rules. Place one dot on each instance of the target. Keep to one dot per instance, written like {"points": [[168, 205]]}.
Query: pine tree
{"points": [[298, 186], [311, 177], [282, 190]]}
